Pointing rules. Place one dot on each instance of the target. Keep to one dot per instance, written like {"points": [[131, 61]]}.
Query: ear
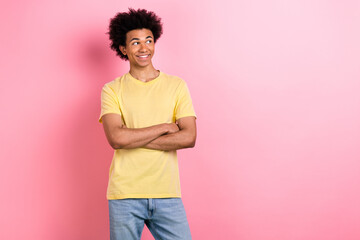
{"points": [[122, 49]]}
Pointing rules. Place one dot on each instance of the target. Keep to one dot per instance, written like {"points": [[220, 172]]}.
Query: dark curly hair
{"points": [[124, 22]]}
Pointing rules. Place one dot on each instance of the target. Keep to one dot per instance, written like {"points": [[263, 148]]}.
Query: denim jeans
{"points": [[165, 218]]}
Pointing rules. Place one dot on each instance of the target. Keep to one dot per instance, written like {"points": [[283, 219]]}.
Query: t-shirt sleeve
{"points": [[109, 102], [184, 106]]}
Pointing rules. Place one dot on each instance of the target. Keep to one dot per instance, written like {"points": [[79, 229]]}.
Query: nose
{"points": [[143, 47]]}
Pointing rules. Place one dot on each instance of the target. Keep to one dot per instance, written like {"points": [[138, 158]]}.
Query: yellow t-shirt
{"points": [[141, 172]]}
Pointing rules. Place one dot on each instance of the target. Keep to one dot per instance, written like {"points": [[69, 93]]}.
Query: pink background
{"points": [[275, 85]]}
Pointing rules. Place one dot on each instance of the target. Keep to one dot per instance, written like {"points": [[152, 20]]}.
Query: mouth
{"points": [[144, 56]]}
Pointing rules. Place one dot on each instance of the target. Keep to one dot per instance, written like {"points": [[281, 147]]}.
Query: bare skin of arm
{"points": [[119, 136], [184, 138]]}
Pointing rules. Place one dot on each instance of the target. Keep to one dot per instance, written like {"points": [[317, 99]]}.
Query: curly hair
{"points": [[124, 22]]}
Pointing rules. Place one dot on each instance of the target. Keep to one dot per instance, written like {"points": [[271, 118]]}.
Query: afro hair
{"points": [[124, 22]]}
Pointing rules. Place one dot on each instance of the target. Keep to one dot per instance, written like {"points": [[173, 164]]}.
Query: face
{"points": [[139, 47]]}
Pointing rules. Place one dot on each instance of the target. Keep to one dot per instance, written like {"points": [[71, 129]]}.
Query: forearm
{"points": [[173, 141], [119, 136], [128, 138]]}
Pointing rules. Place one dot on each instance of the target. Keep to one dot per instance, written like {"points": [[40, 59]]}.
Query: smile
{"points": [[144, 56]]}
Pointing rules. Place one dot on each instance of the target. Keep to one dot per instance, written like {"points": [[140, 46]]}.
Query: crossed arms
{"points": [[165, 136]]}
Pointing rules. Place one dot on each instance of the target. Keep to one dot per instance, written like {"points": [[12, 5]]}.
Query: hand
{"points": [[172, 128]]}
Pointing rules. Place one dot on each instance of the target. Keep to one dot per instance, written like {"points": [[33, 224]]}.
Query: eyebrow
{"points": [[137, 39]]}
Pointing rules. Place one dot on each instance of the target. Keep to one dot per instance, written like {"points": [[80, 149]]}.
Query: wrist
{"points": [[165, 128]]}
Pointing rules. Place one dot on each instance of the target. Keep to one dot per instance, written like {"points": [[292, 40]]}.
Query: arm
{"points": [[184, 138], [119, 136]]}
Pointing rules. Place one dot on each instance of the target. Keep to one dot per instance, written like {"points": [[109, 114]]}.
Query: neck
{"points": [[144, 74]]}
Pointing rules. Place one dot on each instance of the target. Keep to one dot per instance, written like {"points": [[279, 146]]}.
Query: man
{"points": [[147, 115]]}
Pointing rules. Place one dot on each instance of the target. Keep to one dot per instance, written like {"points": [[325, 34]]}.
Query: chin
{"points": [[143, 64]]}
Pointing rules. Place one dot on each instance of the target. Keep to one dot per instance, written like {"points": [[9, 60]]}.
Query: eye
{"points": [[148, 41], [135, 43]]}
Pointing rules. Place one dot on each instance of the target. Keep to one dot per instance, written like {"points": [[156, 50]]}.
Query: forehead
{"points": [[139, 33]]}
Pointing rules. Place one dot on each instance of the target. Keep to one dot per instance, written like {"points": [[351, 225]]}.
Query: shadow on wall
{"points": [[86, 154], [79, 208]]}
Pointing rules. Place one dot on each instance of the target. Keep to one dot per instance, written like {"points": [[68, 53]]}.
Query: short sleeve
{"points": [[184, 106], [109, 102]]}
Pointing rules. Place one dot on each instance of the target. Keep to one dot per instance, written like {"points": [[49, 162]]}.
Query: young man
{"points": [[147, 115]]}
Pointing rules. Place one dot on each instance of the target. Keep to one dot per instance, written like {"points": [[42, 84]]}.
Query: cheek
{"points": [[131, 50]]}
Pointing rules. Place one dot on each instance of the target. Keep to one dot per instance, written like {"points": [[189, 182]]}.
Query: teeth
{"points": [[144, 56]]}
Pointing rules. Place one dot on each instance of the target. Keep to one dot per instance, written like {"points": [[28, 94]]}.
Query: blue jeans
{"points": [[165, 218]]}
